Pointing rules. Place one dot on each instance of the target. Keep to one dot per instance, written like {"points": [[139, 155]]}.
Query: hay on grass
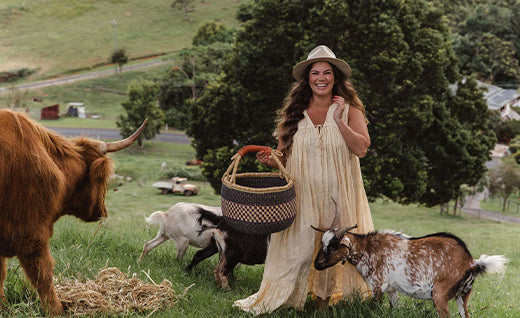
{"points": [[113, 292]]}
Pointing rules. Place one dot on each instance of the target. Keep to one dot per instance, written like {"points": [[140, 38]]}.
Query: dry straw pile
{"points": [[113, 292]]}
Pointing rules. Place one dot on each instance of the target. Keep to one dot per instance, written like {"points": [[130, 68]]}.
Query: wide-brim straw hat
{"points": [[321, 53]]}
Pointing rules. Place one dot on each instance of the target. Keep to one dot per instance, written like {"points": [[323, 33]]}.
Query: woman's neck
{"points": [[320, 101]]}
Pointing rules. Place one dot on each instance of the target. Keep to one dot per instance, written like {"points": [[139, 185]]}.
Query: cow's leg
{"points": [[158, 240], [39, 268], [3, 275]]}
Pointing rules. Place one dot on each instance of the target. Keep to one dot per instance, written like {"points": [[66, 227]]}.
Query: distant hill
{"points": [[57, 37]]}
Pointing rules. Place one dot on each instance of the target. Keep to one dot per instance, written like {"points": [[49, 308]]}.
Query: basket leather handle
{"points": [[253, 148], [233, 167]]}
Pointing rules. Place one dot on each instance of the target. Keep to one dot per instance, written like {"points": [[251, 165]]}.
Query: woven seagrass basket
{"points": [[257, 203]]}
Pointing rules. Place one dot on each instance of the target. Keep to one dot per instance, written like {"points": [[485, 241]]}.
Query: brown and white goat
{"points": [[436, 267]]}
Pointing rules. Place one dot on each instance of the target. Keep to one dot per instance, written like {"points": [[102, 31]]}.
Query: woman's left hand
{"points": [[338, 113]]}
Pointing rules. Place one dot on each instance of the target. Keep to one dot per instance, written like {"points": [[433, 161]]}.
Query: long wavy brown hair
{"points": [[298, 99]]}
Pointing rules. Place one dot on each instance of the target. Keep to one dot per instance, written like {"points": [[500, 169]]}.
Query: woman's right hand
{"points": [[263, 157]]}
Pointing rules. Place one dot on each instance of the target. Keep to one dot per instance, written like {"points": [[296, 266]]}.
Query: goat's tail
{"points": [[485, 264], [156, 218], [209, 216], [490, 264]]}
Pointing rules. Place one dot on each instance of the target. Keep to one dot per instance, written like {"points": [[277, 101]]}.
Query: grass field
{"points": [[58, 37], [80, 251]]}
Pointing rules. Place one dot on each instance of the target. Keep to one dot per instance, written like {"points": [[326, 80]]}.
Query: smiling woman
{"points": [[322, 133]]}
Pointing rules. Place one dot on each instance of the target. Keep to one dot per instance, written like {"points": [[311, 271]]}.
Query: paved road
{"points": [[113, 134], [81, 77], [93, 132], [472, 206], [491, 215]]}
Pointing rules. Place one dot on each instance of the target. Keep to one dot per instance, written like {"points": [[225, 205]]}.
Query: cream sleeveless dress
{"points": [[323, 167]]}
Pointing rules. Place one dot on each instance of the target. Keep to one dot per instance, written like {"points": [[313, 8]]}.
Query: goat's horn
{"points": [[122, 144], [319, 230], [336, 214], [339, 233]]}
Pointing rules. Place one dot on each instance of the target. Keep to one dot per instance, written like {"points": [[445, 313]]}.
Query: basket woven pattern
{"points": [[258, 203]]}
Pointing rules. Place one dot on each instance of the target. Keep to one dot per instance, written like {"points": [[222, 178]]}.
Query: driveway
{"points": [[81, 77], [472, 203]]}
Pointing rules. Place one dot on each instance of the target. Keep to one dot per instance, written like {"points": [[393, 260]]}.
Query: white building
{"points": [[500, 99]]}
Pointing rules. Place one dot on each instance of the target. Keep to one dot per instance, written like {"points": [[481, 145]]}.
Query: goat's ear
{"points": [[345, 241], [318, 229]]}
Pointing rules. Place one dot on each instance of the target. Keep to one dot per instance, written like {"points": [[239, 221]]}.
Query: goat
{"points": [[181, 224], [436, 267], [233, 247]]}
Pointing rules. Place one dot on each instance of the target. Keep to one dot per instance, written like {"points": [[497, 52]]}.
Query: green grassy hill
{"points": [[57, 37]]}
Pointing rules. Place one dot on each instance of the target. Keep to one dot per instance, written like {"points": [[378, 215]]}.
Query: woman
{"points": [[322, 134]]}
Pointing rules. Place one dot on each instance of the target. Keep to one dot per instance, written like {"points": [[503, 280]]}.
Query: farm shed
{"points": [[50, 112]]}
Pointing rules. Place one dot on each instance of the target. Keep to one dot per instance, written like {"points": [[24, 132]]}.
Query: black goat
{"points": [[233, 247]]}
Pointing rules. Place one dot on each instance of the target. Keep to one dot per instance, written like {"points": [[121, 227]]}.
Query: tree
{"points": [[119, 57], [505, 129], [514, 148], [465, 144], [485, 42], [142, 104], [193, 69], [504, 180], [402, 64], [186, 5], [211, 32]]}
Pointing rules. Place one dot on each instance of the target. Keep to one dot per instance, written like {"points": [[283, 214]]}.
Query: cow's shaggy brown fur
{"points": [[43, 177]]}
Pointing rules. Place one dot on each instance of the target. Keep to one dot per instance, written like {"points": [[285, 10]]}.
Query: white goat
{"points": [[181, 225], [437, 267]]}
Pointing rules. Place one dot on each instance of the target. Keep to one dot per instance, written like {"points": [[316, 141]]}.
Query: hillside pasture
{"points": [[58, 37], [81, 250]]}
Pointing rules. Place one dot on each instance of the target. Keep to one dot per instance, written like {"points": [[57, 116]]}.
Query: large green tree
{"points": [[402, 63], [193, 68], [488, 42], [141, 104]]}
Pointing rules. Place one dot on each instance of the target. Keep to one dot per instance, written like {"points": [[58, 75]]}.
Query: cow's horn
{"points": [[122, 144]]}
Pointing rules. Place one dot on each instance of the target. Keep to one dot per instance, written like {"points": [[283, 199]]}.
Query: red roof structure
{"points": [[51, 112]]}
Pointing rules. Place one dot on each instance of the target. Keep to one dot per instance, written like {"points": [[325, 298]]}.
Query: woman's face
{"points": [[321, 79]]}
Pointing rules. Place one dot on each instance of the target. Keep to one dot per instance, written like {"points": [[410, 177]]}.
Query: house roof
{"points": [[498, 97]]}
